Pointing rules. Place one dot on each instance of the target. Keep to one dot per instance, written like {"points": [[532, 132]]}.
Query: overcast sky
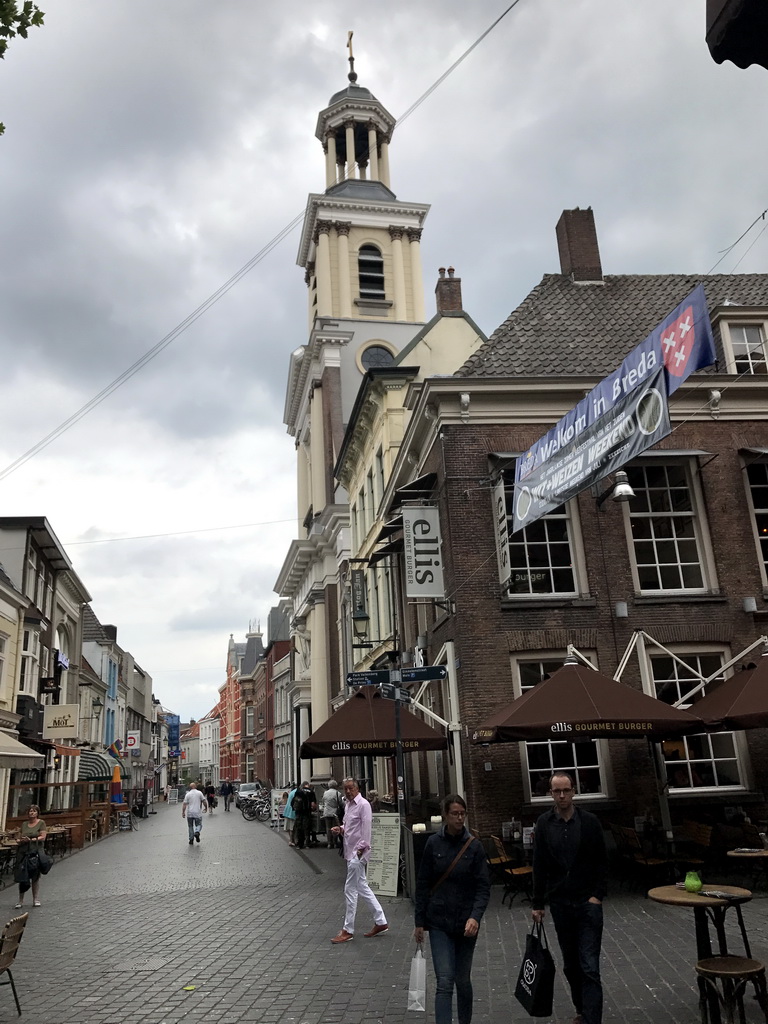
{"points": [[152, 149]]}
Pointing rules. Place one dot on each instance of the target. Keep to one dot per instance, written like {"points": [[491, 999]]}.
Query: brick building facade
{"points": [[681, 561]]}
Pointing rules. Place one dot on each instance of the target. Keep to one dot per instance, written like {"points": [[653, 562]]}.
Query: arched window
{"points": [[371, 270]]}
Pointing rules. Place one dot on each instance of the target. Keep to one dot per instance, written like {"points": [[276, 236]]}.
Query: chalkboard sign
{"points": [[124, 821], [385, 854]]}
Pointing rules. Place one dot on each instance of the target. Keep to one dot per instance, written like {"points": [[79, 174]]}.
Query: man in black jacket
{"points": [[569, 870], [304, 802]]}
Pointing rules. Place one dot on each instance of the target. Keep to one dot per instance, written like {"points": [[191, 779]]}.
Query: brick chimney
{"points": [[448, 292], [577, 245]]}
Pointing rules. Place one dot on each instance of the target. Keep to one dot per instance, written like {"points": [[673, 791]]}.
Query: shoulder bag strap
{"points": [[451, 866]]}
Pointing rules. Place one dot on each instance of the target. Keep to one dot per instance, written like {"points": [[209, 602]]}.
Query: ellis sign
{"points": [[423, 555]]}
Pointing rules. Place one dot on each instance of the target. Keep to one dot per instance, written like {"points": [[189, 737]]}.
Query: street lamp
{"points": [[360, 622]]}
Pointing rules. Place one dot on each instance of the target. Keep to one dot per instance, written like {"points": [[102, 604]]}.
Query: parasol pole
{"points": [[657, 754]]}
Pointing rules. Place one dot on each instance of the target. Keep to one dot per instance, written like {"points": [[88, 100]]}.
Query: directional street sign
{"points": [[393, 692], [420, 675], [368, 678]]}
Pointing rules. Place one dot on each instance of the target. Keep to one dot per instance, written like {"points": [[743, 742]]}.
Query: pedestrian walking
{"points": [[332, 800], [356, 833], [452, 892], [226, 792], [289, 816], [193, 808], [27, 868], [210, 796], [304, 802], [569, 870]]}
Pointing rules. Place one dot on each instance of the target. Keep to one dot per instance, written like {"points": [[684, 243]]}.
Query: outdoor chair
{"points": [[640, 864], [517, 877], [695, 846], [10, 941], [733, 973]]}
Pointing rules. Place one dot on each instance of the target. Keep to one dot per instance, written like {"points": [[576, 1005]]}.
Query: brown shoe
{"points": [[376, 930], [343, 936]]}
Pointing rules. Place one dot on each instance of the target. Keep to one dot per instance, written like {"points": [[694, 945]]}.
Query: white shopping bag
{"points": [[417, 985]]}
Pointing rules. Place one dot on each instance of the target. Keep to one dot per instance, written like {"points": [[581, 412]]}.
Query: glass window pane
{"points": [[722, 744], [727, 773]]}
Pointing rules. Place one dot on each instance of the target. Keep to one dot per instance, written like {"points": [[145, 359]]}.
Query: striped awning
{"points": [[94, 767]]}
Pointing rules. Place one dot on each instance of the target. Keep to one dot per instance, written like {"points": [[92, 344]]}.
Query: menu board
{"points": [[384, 860]]}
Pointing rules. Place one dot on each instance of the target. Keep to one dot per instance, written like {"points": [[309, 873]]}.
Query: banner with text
{"points": [[681, 344], [633, 425]]}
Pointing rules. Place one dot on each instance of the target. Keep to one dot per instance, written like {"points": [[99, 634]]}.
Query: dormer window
{"points": [[748, 348], [743, 331], [371, 270]]}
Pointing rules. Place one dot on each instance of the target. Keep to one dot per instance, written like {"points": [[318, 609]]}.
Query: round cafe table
{"points": [[706, 909], [758, 860]]}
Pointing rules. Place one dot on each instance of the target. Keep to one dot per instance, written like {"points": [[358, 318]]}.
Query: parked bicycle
{"points": [[256, 808]]}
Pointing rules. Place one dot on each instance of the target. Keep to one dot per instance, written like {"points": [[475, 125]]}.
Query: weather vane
{"points": [[352, 76]]}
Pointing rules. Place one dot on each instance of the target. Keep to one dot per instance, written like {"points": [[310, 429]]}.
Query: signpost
{"points": [[420, 675], [372, 678]]}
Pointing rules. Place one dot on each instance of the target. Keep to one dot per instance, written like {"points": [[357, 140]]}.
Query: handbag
{"points": [[536, 981], [417, 983], [45, 862]]}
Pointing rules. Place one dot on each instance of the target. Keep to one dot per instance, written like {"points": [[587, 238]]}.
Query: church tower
{"points": [[360, 250]]}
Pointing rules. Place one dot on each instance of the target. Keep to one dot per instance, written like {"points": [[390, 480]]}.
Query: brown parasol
{"points": [[578, 702], [739, 702], [365, 724]]}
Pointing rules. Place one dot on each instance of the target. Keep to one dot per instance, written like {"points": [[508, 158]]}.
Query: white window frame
{"points": [[250, 720], [700, 527], [603, 760], [4, 638], [568, 512], [730, 320], [762, 558], [684, 651]]}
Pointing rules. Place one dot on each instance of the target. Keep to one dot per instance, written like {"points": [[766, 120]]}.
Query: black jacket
{"points": [[302, 802], [552, 881], [463, 894]]}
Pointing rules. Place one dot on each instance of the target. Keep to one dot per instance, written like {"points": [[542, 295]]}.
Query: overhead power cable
{"points": [[195, 315]]}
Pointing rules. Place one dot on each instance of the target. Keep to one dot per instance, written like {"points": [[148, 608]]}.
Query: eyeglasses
{"points": [[561, 792], [457, 814]]}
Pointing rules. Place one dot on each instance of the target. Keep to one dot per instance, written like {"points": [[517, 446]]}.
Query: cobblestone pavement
{"points": [[129, 925]]}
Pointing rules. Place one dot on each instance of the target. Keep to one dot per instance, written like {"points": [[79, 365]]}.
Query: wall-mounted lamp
{"points": [[97, 704], [749, 604], [620, 491], [360, 626], [261, 718], [620, 610]]}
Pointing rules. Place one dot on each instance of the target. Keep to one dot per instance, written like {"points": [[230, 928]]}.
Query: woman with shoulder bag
{"points": [[452, 892], [27, 871]]}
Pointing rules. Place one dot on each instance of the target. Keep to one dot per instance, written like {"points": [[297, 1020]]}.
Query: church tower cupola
{"points": [[360, 245], [355, 130]]}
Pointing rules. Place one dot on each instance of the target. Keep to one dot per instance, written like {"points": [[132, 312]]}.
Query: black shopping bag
{"points": [[536, 980]]}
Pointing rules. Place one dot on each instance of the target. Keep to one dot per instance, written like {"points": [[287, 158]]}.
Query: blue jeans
{"points": [[191, 822], [579, 933], [452, 960]]}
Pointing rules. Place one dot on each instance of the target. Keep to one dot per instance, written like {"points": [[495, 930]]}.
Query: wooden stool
{"points": [[733, 972]]}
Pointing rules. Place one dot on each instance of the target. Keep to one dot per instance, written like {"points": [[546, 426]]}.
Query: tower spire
{"points": [[352, 76]]}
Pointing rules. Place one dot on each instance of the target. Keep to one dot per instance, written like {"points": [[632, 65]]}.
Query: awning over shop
{"points": [[14, 754], [365, 724], [94, 767]]}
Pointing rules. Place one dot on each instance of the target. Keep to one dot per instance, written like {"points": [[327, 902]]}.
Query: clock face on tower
{"points": [[375, 356]]}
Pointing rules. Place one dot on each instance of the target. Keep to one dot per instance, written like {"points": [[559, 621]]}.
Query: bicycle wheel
{"points": [[249, 813], [264, 814]]}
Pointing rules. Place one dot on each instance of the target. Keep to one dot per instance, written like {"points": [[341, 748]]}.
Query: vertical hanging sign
{"points": [[423, 554], [501, 528]]}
